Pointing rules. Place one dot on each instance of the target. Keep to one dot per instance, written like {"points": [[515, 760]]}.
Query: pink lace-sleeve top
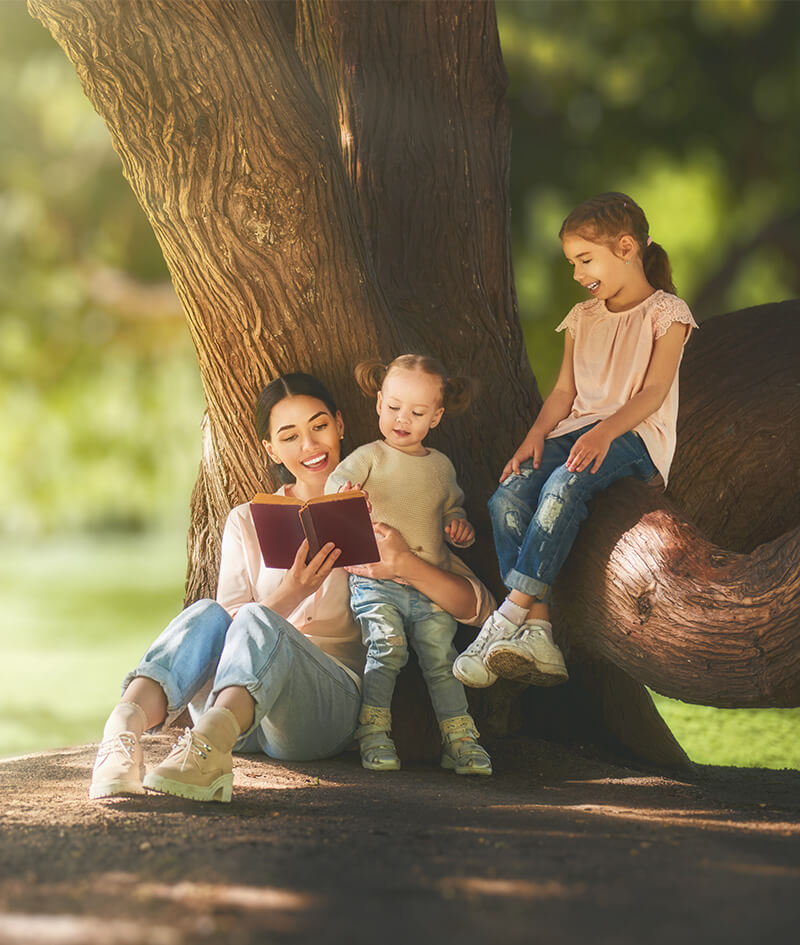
{"points": [[611, 356]]}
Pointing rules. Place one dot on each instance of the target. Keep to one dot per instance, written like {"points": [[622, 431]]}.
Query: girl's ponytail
{"points": [[370, 376], [458, 394], [657, 267]]}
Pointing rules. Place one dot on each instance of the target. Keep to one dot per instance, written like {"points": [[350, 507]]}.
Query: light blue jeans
{"points": [[536, 514], [391, 616], [306, 704]]}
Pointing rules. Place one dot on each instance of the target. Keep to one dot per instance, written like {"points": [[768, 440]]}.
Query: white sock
{"points": [[125, 717], [220, 727], [513, 612]]}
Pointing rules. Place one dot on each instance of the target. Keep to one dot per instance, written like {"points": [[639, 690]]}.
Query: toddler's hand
{"points": [[356, 487], [460, 532]]}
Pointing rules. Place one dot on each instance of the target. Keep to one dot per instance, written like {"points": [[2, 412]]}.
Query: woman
{"points": [[274, 663]]}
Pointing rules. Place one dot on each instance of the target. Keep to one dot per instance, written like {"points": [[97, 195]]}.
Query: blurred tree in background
{"points": [[690, 106]]}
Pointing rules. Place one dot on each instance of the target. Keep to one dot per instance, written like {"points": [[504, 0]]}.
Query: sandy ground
{"points": [[553, 848]]}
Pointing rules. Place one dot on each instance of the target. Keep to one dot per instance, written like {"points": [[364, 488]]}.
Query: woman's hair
{"points": [[457, 392], [607, 217], [289, 385]]}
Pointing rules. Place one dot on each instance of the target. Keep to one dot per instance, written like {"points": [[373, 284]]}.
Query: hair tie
{"points": [[649, 240]]}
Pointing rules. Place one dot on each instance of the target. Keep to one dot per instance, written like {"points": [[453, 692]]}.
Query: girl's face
{"points": [[409, 405], [606, 273], [305, 437]]}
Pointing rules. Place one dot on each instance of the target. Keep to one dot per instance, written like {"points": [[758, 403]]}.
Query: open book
{"points": [[282, 522]]}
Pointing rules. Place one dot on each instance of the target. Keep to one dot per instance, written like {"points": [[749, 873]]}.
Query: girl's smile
{"points": [[614, 275]]}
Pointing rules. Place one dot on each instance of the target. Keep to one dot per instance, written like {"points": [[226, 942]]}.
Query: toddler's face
{"points": [[409, 405]]}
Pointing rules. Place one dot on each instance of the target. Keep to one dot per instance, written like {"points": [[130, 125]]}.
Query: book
{"points": [[282, 522]]}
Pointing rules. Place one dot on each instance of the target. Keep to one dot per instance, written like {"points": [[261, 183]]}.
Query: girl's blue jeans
{"points": [[391, 616], [306, 705], [536, 514]]}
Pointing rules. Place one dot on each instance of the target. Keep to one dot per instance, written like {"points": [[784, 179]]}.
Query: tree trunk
{"points": [[330, 182]]}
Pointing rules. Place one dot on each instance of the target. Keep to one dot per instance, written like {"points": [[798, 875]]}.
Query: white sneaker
{"points": [[530, 656], [118, 768], [469, 668]]}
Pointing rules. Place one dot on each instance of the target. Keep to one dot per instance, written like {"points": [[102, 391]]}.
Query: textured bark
{"points": [[329, 181]]}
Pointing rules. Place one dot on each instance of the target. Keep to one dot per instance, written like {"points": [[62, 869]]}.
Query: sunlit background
{"points": [[690, 106]]}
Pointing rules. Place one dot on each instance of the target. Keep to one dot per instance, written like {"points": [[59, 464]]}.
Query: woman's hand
{"points": [[307, 578], [392, 548], [531, 447], [589, 448], [460, 532]]}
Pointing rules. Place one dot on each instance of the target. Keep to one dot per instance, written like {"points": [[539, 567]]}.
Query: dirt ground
{"points": [[553, 848]]}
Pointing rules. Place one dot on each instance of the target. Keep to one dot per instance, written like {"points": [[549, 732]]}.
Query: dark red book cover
{"points": [[282, 522]]}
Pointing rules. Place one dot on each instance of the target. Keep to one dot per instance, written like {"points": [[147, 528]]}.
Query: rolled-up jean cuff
{"points": [[517, 581], [160, 676]]}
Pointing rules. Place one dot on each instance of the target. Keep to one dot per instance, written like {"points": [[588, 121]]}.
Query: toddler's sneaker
{"points": [[118, 768], [460, 750], [378, 752], [194, 768], [470, 668], [530, 656]]}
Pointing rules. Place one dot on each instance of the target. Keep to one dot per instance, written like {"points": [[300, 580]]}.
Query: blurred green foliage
{"points": [[690, 105]]}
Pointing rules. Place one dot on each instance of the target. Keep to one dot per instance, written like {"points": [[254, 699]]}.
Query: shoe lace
{"points": [[488, 635], [188, 744], [124, 743]]}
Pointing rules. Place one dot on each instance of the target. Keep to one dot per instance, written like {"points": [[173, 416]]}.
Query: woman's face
{"points": [[305, 437]]}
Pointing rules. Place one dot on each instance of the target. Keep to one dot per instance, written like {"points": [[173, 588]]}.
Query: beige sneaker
{"points": [[529, 656], [194, 769], [118, 768]]}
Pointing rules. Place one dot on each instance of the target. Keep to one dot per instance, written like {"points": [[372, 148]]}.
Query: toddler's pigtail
{"points": [[657, 267], [370, 376], [459, 393]]}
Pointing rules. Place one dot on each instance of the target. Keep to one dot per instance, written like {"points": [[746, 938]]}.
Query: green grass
{"points": [[78, 614], [748, 738]]}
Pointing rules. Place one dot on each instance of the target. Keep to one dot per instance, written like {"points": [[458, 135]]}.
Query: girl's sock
{"points": [[513, 612], [125, 717]]}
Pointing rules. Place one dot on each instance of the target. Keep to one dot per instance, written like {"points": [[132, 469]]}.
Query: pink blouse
{"points": [[611, 357]]}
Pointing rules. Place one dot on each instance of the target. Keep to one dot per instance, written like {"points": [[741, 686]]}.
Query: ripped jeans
{"points": [[391, 617], [536, 514]]}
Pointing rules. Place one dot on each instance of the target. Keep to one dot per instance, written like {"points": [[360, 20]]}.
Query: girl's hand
{"points": [[391, 547], [531, 447], [460, 532], [587, 449], [303, 579]]}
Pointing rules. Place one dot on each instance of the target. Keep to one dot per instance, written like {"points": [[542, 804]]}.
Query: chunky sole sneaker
{"points": [[220, 789], [470, 666], [529, 657], [194, 769], [119, 767]]}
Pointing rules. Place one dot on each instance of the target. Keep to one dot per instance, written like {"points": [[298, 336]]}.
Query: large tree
{"points": [[329, 181]]}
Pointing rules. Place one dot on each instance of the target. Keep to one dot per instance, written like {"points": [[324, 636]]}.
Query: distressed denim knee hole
{"points": [[549, 512]]}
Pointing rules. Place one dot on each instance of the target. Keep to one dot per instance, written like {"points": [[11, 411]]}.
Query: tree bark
{"points": [[329, 182]]}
